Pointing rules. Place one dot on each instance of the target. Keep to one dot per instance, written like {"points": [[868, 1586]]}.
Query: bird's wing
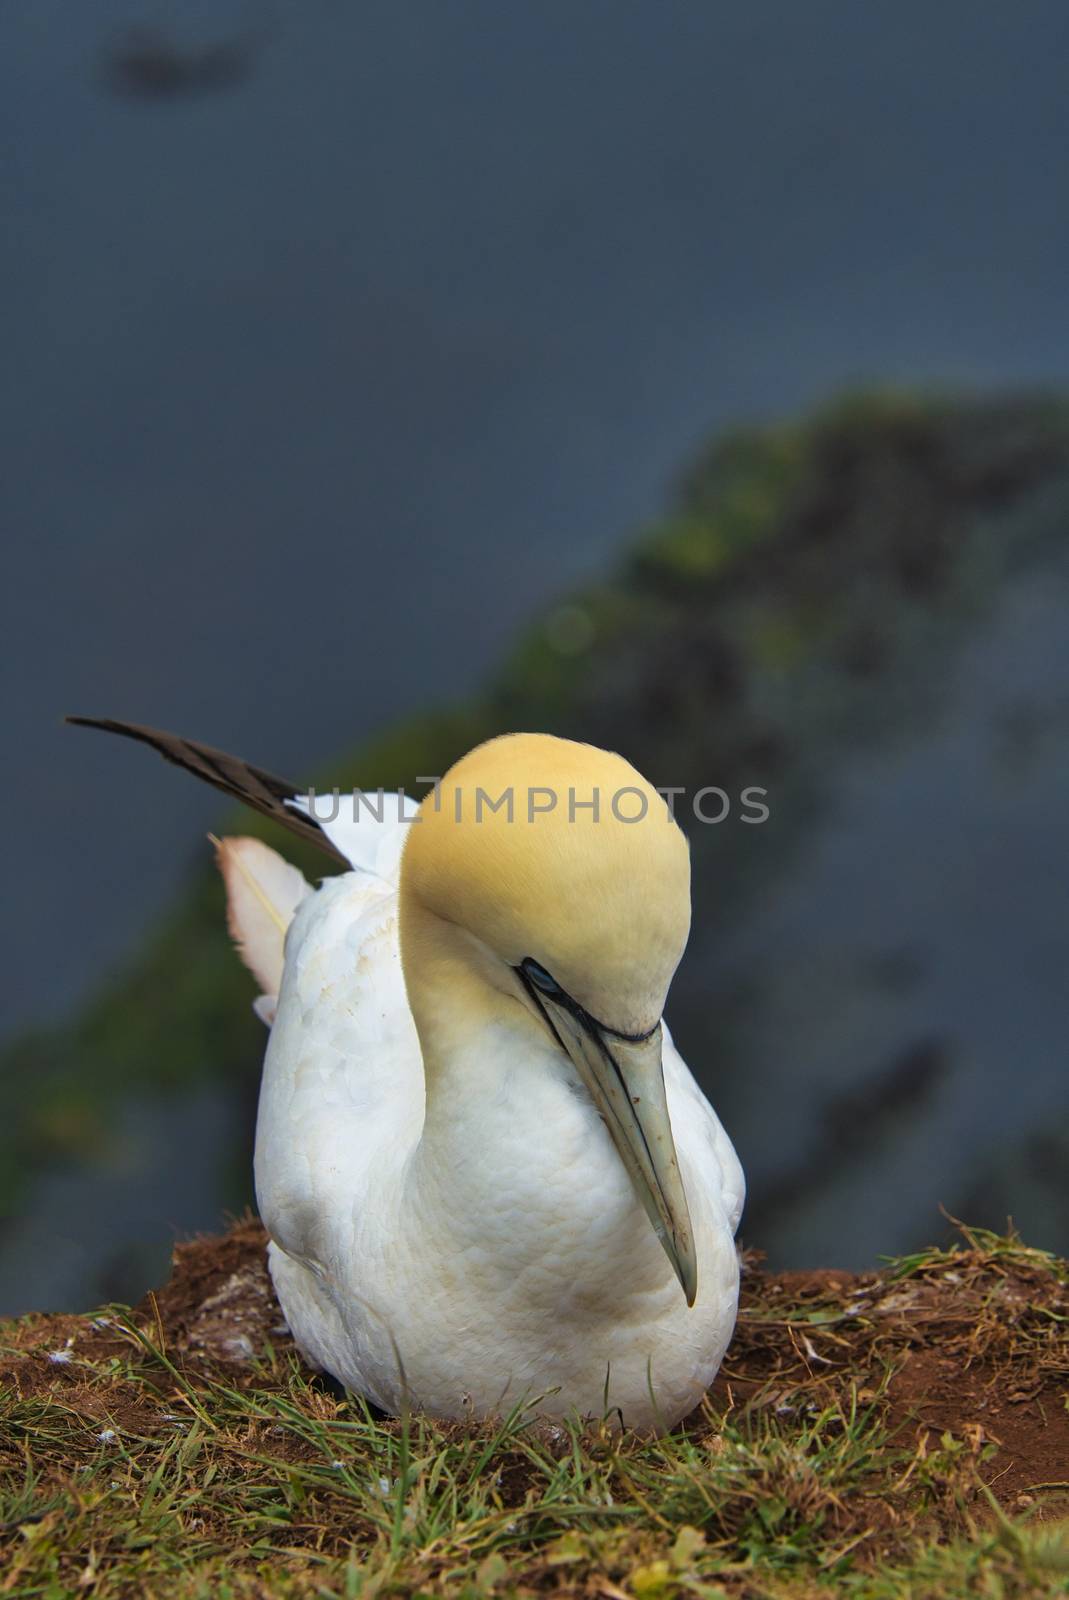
{"points": [[239, 779], [343, 1075], [697, 1127], [368, 829], [272, 797]]}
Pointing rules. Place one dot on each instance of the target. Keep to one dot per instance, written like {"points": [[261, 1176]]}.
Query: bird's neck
{"points": [[514, 1165], [455, 1006], [492, 1070]]}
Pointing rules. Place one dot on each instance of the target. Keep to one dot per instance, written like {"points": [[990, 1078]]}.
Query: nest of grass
{"points": [[899, 1432]]}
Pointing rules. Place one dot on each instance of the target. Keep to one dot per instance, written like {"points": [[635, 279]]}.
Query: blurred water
{"points": [[317, 386], [881, 1021], [314, 387], [904, 1022], [104, 1230]]}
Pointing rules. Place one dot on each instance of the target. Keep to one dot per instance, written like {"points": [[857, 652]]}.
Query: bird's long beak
{"points": [[626, 1082]]}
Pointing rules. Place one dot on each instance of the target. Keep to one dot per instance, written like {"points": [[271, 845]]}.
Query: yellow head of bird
{"points": [[556, 852]]}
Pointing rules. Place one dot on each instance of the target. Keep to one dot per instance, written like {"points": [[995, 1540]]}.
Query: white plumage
{"points": [[489, 1179], [498, 1255]]}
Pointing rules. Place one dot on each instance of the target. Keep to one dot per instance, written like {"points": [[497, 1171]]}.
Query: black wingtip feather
{"points": [[239, 779]]}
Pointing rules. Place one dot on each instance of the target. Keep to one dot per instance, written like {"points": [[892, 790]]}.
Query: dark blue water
{"points": [[315, 387]]}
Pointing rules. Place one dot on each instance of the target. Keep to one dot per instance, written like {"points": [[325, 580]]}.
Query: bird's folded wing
{"points": [[367, 828], [343, 1076]]}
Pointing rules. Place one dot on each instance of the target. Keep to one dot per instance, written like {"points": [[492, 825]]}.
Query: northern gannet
{"points": [[488, 1176]]}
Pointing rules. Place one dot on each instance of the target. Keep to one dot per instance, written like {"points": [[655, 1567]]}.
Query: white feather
{"points": [[370, 1263], [262, 893], [369, 830]]}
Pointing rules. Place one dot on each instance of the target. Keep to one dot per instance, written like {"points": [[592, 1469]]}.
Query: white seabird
{"points": [[488, 1176]]}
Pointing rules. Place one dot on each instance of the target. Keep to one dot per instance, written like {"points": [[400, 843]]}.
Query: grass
{"points": [[138, 1457]]}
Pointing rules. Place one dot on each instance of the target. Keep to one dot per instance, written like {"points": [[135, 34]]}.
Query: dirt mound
{"points": [[218, 1303], [217, 1309], [971, 1343]]}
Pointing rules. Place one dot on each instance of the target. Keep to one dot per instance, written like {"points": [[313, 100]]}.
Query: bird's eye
{"points": [[541, 978]]}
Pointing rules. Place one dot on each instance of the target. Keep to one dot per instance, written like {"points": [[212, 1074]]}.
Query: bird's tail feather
{"points": [[262, 893], [238, 779]]}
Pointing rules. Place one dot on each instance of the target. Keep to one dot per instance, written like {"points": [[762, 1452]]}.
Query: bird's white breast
{"points": [[497, 1255]]}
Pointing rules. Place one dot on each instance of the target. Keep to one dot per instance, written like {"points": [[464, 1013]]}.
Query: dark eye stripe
{"points": [[541, 979], [537, 978]]}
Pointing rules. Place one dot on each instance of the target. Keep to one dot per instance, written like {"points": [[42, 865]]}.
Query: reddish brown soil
{"points": [[974, 1344]]}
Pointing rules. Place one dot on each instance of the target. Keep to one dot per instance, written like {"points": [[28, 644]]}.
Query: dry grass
{"points": [[900, 1433]]}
